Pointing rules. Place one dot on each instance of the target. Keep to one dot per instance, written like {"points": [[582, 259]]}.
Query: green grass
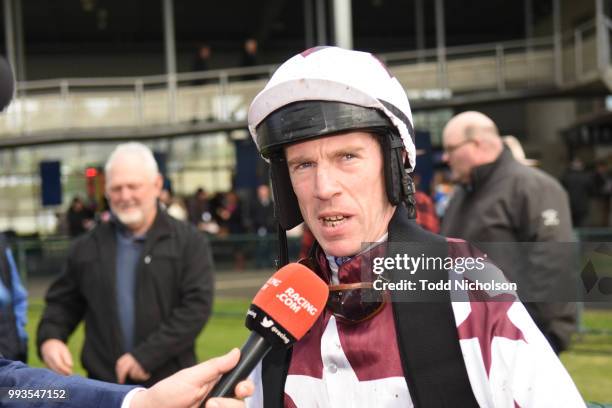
{"points": [[224, 330], [589, 361]]}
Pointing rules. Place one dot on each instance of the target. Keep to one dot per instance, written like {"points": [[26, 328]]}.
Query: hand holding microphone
{"points": [[282, 312]]}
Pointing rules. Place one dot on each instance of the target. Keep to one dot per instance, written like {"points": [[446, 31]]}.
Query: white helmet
{"points": [[339, 75], [328, 90]]}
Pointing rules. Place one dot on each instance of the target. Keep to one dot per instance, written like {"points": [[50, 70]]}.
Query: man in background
{"points": [[142, 282], [262, 223], [502, 200], [186, 388]]}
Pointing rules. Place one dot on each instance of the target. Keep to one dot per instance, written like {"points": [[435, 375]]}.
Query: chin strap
{"points": [[408, 195], [407, 189], [283, 251]]}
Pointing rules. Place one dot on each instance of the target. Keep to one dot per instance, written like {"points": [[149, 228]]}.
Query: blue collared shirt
{"points": [[129, 249]]}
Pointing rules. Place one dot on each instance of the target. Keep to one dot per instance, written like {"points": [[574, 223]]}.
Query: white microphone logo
{"points": [[267, 323]]}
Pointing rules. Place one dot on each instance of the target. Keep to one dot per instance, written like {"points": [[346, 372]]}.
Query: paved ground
{"points": [[229, 284]]}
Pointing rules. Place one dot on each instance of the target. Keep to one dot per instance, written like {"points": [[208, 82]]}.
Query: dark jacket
{"points": [[510, 202], [579, 186], [173, 299], [261, 218]]}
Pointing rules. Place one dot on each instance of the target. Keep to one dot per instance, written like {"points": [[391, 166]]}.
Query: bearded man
{"points": [[143, 284]]}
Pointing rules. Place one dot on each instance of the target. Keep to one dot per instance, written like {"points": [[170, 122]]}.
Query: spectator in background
{"points": [[142, 282], [79, 218], [602, 188], [13, 307], [231, 222], [198, 208], [502, 200], [425, 211], [250, 57], [263, 223], [579, 185], [230, 214], [516, 148], [174, 206], [201, 63], [443, 191], [216, 203], [262, 212]]}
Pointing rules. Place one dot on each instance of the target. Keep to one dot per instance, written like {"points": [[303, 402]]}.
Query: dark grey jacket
{"points": [[173, 299], [510, 202]]}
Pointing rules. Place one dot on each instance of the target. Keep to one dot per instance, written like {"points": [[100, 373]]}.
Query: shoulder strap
{"points": [[273, 376], [427, 333]]}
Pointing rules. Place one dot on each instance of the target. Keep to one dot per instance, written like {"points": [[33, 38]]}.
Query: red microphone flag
{"points": [[293, 297]]}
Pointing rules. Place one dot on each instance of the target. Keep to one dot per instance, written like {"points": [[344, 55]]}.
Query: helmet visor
{"points": [[309, 119]]}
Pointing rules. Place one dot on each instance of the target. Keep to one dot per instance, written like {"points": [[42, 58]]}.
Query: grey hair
{"points": [[139, 152]]}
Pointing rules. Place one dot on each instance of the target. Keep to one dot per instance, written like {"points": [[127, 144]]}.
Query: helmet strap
{"points": [[409, 191], [283, 251], [398, 183]]}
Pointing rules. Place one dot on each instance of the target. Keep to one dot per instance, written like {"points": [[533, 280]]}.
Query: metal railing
{"points": [[579, 53], [131, 101], [224, 95], [46, 256]]}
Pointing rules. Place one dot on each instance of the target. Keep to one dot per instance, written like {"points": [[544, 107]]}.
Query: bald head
{"points": [[471, 139]]}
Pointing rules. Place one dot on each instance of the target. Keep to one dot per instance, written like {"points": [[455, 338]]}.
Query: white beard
{"points": [[130, 218]]}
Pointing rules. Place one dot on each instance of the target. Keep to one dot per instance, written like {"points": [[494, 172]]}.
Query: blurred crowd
{"points": [[203, 60], [250, 214], [219, 214]]}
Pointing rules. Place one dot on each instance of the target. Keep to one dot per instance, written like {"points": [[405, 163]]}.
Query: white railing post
{"points": [[500, 66], [343, 23], [223, 85], [441, 44], [578, 53], [65, 97], [557, 40], [419, 24], [139, 101], [170, 50], [603, 36], [172, 98]]}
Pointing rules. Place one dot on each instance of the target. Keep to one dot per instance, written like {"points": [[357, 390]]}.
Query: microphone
{"points": [[283, 310]]}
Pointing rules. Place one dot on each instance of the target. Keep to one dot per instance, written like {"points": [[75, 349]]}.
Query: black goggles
{"points": [[355, 302], [352, 302]]}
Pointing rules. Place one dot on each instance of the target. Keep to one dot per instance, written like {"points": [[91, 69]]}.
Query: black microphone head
{"points": [[7, 83]]}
